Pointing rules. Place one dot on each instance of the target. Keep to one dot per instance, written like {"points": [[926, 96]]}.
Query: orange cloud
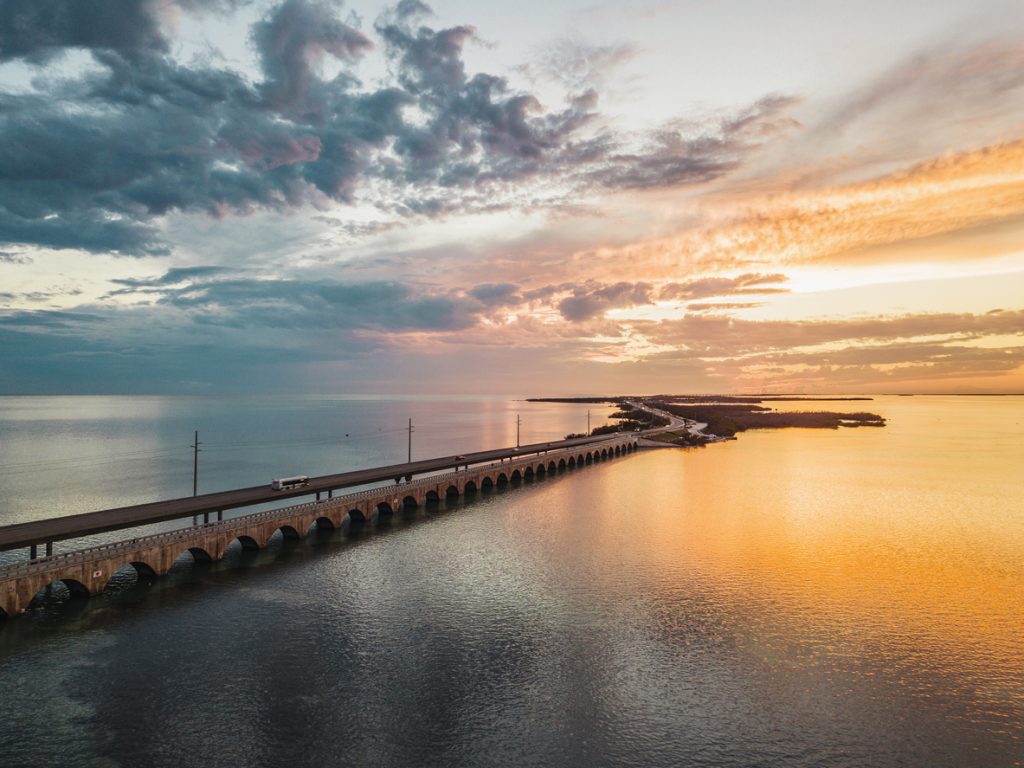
{"points": [[879, 221]]}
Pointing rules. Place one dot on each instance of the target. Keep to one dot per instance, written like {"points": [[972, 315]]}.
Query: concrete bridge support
{"points": [[87, 571]]}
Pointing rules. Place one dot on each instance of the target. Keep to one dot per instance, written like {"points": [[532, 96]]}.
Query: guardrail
{"points": [[81, 555]]}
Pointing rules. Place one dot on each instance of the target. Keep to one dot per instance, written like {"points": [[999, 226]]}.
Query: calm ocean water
{"points": [[794, 598]]}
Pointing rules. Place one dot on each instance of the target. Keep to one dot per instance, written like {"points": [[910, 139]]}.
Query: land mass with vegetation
{"points": [[723, 416]]}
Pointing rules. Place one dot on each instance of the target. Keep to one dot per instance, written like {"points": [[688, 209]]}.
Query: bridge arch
{"points": [[469, 487], [486, 483], [383, 509], [199, 555], [247, 543], [356, 516], [516, 475], [60, 589], [579, 460], [502, 480], [432, 498], [142, 570], [541, 469], [562, 465], [572, 462], [127, 575], [451, 493], [288, 532], [410, 503], [552, 467]]}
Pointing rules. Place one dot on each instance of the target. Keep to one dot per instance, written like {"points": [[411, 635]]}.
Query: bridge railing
{"points": [[243, 521]]}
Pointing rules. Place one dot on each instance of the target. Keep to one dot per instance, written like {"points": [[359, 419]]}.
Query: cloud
{"points": [[213, 296], [713, 336], [675, 156], [959, 206], [722, 306], [235, 325], [49, 319], [38, 31], [923, 367], [98, 161], [496, 294], [590, 300], [172, 277], [582, 302], [745, 284], [579, 66], [930, 101], [292, 39]]}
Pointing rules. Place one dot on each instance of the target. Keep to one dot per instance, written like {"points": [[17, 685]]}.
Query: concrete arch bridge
{"points": [[87, 571]]}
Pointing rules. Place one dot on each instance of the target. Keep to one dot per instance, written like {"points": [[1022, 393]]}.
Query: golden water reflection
{"points": [[904, 545]]}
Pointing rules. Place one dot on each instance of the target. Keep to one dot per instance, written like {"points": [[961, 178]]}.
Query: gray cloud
{"points": [[173, 276], [160, 286], [213, 296], [50, 319], [589, 301], [292, 38], [38, 31], [496, 294], [93, 163], [201, 324], [684, 155]]}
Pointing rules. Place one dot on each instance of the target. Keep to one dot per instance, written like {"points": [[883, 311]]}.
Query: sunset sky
{"points": [[569, 197]]}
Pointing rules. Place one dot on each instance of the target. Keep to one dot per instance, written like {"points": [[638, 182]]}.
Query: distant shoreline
{"points": [[691, 420]]}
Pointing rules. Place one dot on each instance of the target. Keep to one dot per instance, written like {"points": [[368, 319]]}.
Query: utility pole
{"points": [[517, 430], [410, 441], [195, 464]]}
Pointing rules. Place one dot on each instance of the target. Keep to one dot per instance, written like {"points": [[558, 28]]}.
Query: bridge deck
{"points": [[36, 532], [245, 522]]}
